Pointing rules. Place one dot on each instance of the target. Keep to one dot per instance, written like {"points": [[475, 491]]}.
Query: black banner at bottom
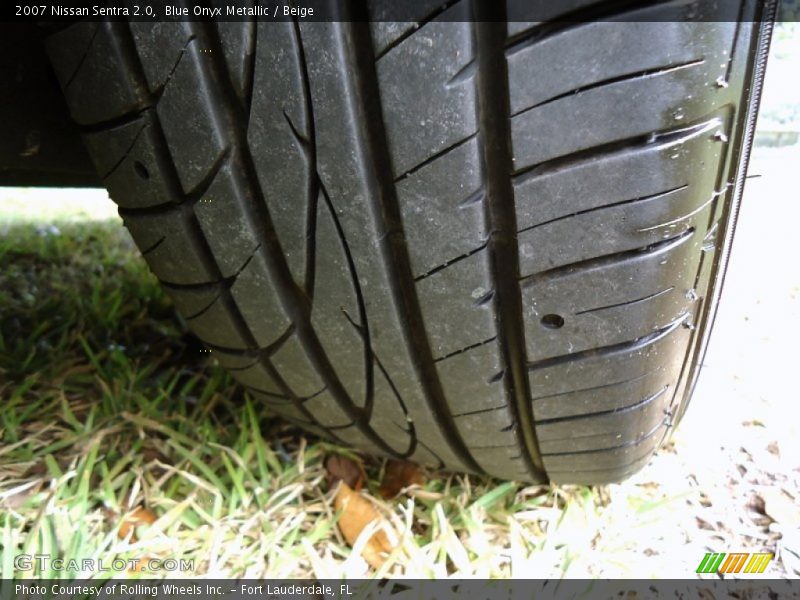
{"points": [[397, 589]]}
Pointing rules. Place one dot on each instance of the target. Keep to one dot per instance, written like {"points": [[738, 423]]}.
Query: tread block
{"points": [[475, 378], [192, 301], [615, 177], [160, 47], [196, 143], [104, 65], [497, 423], [283, 163], [391, 419], [588, 53], [523, 15], [587, 476], [291, 361], [359, 439], [442, 208], [610, 303], [427, 117], [598, 431], [258, 302], [335, 305], [221, 213], [136, 179], [615, 229], [109, 147], [604, 367], [214, 325], [510, 466], [614, 395], [349, 172], [615, 457], [288, 410], [256, 377], [233, 361], [503, 459], [456, 305], [68, 48], [170, 248], [611, 113], [391, 20], [323, 408]]}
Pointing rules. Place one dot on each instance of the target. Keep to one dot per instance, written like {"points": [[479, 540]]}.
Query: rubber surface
{"points": [[475, 245]]}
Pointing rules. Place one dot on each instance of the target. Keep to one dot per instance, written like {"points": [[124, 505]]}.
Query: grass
{"points": [[108, 405], [110, 411]]}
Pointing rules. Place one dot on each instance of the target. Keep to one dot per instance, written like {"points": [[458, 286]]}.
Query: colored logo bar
{"points": [[736, 562]]}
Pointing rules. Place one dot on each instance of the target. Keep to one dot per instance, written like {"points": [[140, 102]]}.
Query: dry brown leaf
{"points": [[356, 512], [341, 468], [138, 517], [399, 474]]}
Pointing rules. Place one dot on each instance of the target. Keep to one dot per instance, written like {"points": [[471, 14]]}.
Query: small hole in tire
{"points": [[141, 170], [553, 321]]}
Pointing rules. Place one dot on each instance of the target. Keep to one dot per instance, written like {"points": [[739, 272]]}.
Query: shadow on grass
{"points": [[80, 291], [87, 335]]}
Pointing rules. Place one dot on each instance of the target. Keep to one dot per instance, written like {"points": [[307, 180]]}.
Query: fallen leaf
{"points": [[773, 448], [756, 504], [138, 517], [356, 512], [399, 474], [341, 468]]}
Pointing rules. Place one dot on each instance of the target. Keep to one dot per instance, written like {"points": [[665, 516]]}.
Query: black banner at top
{"points": [[408, 11]]}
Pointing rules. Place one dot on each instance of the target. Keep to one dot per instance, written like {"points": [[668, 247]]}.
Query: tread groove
{"points": [[616, 411], [607, 259], [596, 387], [465, 349], [250, 69], [205, 253], [360, 50], [85, 54], [612, 349], [125, 154], [601, 11], [155, 245], [294, 301], [434, 156], [480, 411], [626, 303], [450, 262], [189, 198], [417, 26], [312, 177], [116, 122], [635, 442], [605, 206], [664, 138], [494, 127], [644, 74]]}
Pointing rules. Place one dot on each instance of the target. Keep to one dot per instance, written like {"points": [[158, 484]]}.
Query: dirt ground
{"points": [[736, 456]]}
